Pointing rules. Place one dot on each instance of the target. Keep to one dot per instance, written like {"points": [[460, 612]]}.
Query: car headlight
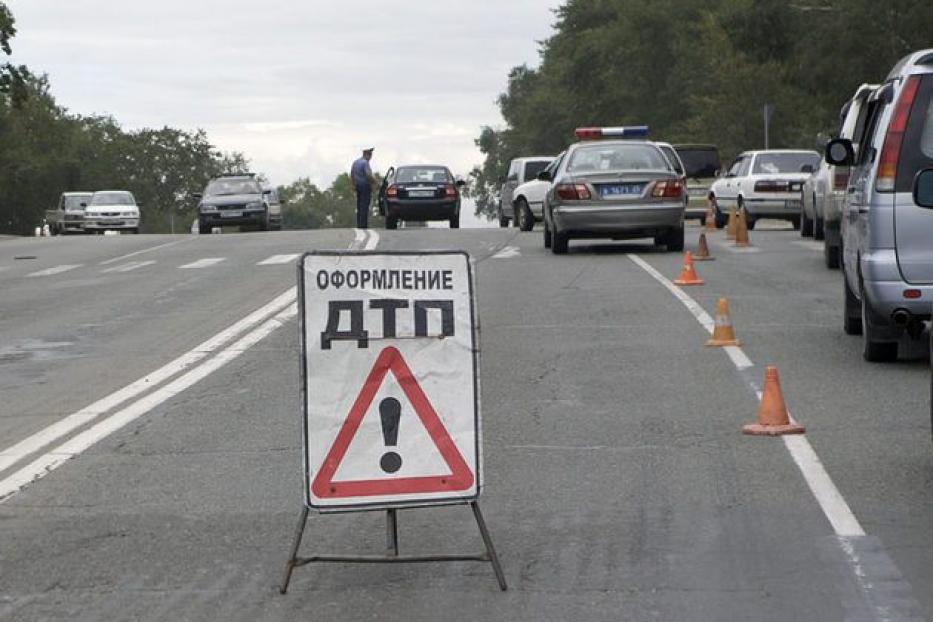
{"points": [[207, 208], [130, 215], [254, 205]]}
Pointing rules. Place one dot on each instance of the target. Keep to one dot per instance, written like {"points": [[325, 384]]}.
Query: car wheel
{"points": [[135, 231], [674, 240], [455, 221], [874, 351], [503, 220], [523, 216], [818, 233], [750, 222], [720, 218], [559, 243], [547, 235], [795, 222], [806, 224], [831, 255], [204, 228], [852, 317], [391, 222]]}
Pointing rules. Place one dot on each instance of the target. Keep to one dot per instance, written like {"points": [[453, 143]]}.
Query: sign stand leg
{"points": [[293, 557], [392, 532], [490, 548]]}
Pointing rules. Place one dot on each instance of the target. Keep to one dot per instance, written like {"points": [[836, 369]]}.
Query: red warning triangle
{"points": [[460, 477]]}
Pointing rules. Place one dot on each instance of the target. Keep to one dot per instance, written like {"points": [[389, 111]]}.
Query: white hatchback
{"points": [[766, 184], [112, 210]]}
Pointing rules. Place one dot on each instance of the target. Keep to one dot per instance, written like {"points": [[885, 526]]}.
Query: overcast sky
{"points": [[299, 87]]}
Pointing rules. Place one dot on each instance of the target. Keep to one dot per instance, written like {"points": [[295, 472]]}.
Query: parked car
{"points": [[824, 192], [528, 201], [887, 219], [68, 215], [234, 200], [677, 164], [521, 170], [766, 184], [112, 210], [614, 184], [420, 193], [275, 209], [701, 166]]}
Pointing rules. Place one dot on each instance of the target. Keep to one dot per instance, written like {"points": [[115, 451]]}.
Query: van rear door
{"points": [[913, 225]]}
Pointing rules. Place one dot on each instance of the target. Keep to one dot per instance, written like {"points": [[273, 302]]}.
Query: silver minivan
{"points": [[887, 217]]}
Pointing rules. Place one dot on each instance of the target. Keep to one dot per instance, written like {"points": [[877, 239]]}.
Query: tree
{"points": [[12, 78]]}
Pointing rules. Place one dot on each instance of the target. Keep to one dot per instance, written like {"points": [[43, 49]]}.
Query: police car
{"points": [[614, 184]]}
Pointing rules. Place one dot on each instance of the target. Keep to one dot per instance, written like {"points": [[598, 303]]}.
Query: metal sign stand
{"points": [[392, 556]]}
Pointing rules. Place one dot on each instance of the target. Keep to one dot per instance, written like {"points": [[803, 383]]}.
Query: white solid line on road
{"points": [[128, 267], [277, 260], [55, 457], [50, 461], [134, 254], [202, 263], [57, 430], [827, 495], [55, 270], [508, 252]]}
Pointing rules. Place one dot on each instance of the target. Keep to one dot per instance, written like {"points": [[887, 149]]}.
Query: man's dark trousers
{"points": [[363, 195]]}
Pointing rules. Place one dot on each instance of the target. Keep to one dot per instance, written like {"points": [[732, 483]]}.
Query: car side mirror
{"points": [[266, 193], [512, 178], [544, 176], [806, 168], [923, 188], [460, 183], [839, 152], [717, 172], [197, 195], [84, 205]]}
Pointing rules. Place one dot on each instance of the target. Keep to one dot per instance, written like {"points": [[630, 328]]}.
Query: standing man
{"points": [[362, 180]]}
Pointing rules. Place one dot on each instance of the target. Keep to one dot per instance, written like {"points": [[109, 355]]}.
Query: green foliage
{"points": [[12, 78], [697, 72], [305, 206]]}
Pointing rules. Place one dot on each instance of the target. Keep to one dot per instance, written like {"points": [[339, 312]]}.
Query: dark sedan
{"points": [[420, 193]]}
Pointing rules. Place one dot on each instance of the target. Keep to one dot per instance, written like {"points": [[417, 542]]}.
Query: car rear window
{"points": [[429, 174], [617, 158], [699, 162], [534, 167], [227, 187], [917, 150], [776, 163], [74, 202], [113, 198]]}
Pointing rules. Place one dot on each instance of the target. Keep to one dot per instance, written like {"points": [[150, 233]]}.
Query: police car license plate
{"points": [[420, 194], [235, 214], [614, 190]]}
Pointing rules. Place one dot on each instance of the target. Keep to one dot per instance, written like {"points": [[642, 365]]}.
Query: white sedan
{"points": [[112, 210], [528, 198], [766, 184]]}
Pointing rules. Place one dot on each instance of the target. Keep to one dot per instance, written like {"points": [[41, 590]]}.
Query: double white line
{"points": [[192, 368]]}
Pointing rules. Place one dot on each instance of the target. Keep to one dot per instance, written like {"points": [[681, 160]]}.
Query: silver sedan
{"points": [[615, 189]]}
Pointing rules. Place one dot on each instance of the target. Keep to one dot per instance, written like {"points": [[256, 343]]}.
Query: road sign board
{"points": [[389, 379]]}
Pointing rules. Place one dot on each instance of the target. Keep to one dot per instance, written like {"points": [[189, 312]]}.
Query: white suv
{"points": [[528, 198], [766, 184], [521, 170]]}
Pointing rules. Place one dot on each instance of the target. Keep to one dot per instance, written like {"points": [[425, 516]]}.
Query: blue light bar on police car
{"points": [[595, 133]]}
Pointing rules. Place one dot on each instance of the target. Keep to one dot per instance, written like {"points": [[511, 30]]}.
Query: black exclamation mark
{"points": [[391, 412]]}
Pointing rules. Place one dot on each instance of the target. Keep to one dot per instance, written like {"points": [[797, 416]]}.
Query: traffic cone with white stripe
{"points": [[773, 418], [732, 225], [703, 250], [688, 276], [723, 333]]}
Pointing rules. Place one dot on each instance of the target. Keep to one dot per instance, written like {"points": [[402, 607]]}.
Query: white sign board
{"points": [[389, 378]]}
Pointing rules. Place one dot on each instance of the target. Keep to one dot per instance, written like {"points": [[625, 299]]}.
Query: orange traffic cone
{"points": [[723, 333], [773, 418], [703, 250], [710, 223], [732, 225], [741, 231], [688, 276]]}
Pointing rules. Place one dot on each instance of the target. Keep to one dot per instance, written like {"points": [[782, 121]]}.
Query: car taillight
{"points": [[841, 178], [887, 163], [573, 192], [670, 189], [392, 191], [450, 190], [771, 186]]}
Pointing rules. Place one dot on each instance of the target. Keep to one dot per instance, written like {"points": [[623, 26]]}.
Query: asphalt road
{"points": [[618, 485]]}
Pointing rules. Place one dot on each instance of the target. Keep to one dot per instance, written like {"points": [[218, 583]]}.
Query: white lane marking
{"points": [[739, 359], [202, 263], [128, 267], [809, 245], [145, 250], [57, 430], [55, 270], [740, 249], [827, 495], [50, 461], [53, 459], [277, 260], [508, 253], [702, 316]]}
